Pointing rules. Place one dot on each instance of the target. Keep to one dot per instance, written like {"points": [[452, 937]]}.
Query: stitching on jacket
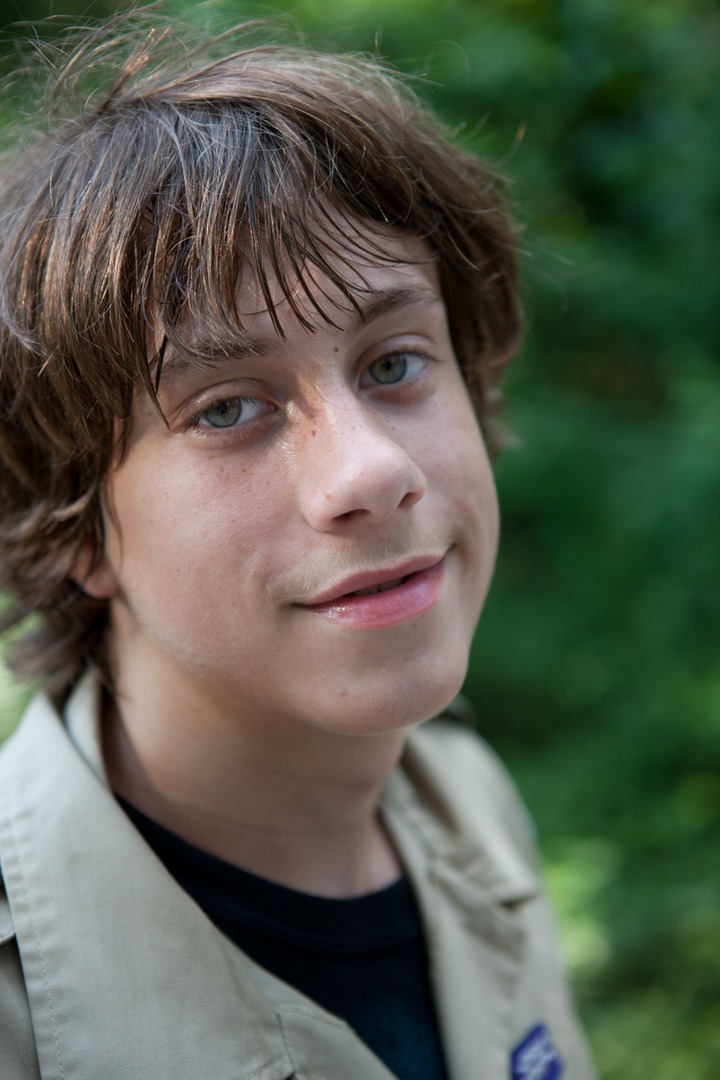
{"points": [[36, 935], [286, 1044], [311, 1011]]}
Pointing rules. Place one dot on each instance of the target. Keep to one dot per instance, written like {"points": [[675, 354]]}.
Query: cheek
{"points": [[189, 528], [467, 487], [460, 464]]}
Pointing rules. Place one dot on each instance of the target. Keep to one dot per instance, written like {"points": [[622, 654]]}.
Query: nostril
{"points": [[412, 497], [352, 515]]}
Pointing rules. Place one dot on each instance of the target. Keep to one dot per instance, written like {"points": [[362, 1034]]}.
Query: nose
{"points": [[354, 468]]}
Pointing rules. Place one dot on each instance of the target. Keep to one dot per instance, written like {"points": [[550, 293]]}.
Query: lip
{"points": [[416, 593]]}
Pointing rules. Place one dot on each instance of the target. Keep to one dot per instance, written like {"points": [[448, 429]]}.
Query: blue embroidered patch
{"points": [[535, 1058]]}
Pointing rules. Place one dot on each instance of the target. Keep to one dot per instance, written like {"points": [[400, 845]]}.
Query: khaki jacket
{"points": [[109, 971]]}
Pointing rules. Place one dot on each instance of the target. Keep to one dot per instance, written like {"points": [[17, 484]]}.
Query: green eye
{"points": [[390, 369], [231, 412], [225, 414]]}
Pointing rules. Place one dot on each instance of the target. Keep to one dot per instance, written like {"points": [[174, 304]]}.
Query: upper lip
{"points": [[368, 579]]}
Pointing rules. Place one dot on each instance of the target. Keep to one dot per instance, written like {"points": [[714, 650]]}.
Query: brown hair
{"points": [[153, 196]]}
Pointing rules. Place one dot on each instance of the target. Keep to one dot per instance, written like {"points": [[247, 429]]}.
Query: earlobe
{"points": [[95, 576]]}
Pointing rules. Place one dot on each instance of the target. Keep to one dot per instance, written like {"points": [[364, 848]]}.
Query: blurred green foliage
{"points": [[596, 669]]}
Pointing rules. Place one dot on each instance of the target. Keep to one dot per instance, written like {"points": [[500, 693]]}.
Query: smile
{"points": [[390, 601]]}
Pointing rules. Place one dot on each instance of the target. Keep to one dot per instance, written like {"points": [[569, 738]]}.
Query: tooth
{"points": [[378, 588]]}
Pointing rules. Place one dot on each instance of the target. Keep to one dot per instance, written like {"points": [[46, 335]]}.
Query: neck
{"points": [[287, 801]]}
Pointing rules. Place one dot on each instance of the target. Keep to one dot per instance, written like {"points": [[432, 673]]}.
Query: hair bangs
{"points": [[252, 201]]}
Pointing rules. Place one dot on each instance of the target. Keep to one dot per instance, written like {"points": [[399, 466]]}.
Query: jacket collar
{"points": [[452, 796]]}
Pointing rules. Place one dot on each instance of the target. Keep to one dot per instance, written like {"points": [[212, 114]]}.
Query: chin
{"points": [[392, 709]]}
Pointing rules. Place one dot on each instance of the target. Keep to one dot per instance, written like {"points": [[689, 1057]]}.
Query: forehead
{"points": [[363, 275], [361, 262]]}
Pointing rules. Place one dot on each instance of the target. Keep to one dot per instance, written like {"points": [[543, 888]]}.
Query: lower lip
{"points": [[380, 610]]}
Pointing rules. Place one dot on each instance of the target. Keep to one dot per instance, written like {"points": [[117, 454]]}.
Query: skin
{"points": [[250, 720]]}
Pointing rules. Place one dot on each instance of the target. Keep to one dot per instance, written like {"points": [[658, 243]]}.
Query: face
{"points": [[309, 535]]}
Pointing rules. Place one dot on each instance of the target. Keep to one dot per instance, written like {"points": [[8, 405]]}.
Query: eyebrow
{"points": [[385, 301], [207, 351]]}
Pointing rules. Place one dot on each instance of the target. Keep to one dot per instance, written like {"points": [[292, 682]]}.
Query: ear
{"points": [[96, 577]]}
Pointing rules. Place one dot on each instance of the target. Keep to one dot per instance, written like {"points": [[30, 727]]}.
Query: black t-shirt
{"points": [[362, 959]]}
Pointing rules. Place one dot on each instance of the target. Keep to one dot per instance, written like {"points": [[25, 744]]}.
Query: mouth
{"points": [[372, 582], [379, 599]]}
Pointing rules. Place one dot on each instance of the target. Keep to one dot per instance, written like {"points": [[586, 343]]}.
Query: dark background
{"points": [[596, 670]]}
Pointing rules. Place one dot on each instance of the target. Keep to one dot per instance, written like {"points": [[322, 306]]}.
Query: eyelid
{"points": [[200, 388]]}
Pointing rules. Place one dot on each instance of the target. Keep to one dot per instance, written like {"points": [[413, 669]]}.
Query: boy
{"points": [[252, 310]]}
